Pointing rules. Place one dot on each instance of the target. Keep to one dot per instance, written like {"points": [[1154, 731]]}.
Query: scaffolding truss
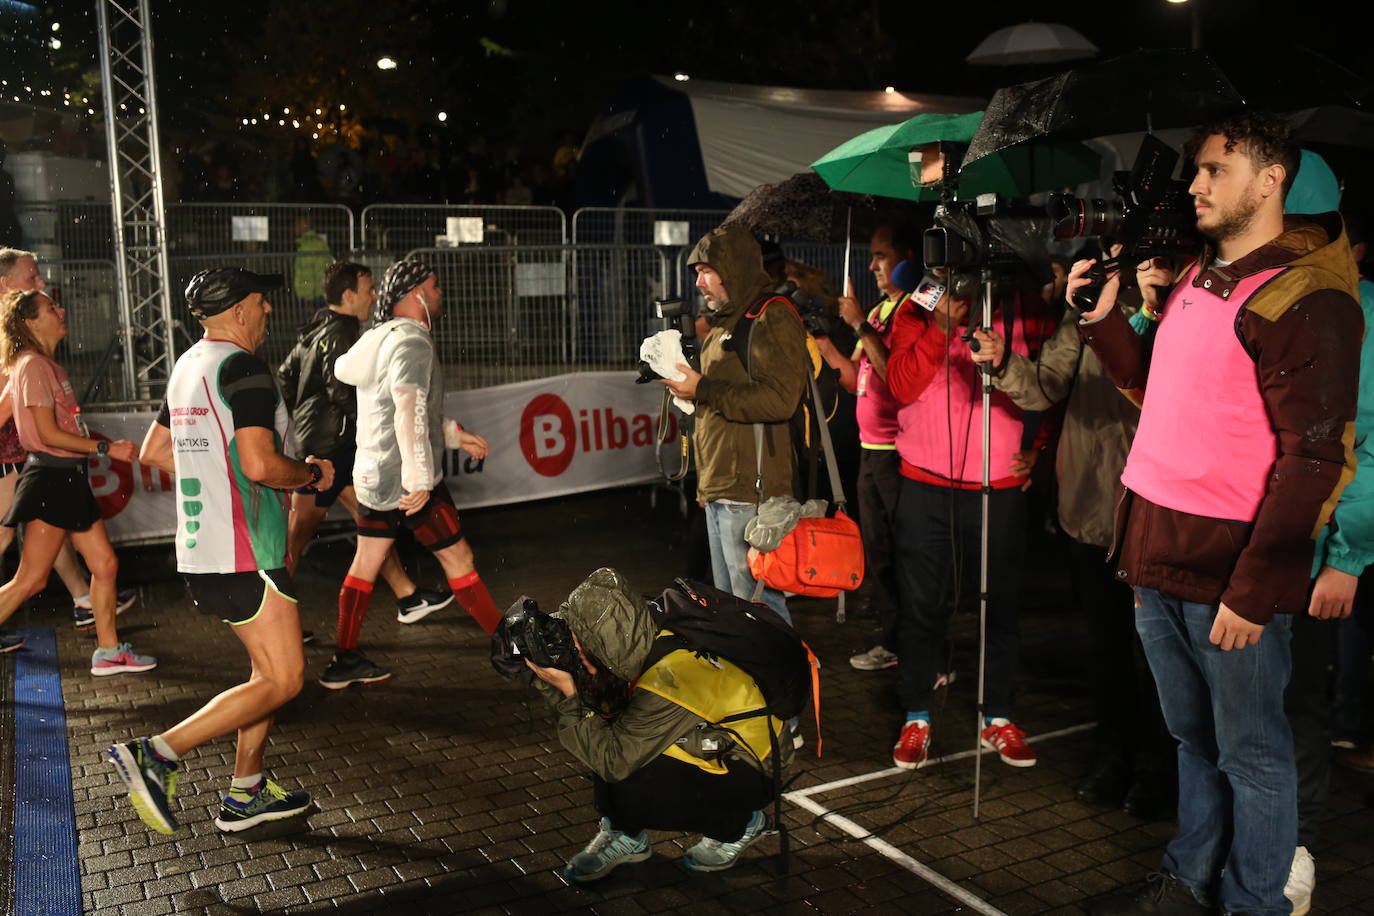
{"points": [[131, 132]]}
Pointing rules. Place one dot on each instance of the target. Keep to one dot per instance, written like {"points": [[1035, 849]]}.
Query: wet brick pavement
{"points": [[443, 790]]}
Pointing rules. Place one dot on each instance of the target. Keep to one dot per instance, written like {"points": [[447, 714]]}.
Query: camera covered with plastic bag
{"points": [[527, 633]]}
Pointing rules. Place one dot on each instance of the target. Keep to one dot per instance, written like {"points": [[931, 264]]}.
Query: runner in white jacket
{"points": [[397, 473]]}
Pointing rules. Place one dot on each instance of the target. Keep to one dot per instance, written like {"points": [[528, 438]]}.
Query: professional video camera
{"points": [[1153, 215], [526, 632], [986, 232]]}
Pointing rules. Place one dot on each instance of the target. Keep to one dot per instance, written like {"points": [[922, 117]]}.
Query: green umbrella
{"points": [[875, 162]]}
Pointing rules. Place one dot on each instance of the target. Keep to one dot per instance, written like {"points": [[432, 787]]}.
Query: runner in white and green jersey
{"points": [[221, 431]]}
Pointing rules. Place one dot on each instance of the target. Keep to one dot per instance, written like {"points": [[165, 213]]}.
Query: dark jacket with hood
{"points": [[613, 624], [323, 409], [1303, 330], [729, 398]]}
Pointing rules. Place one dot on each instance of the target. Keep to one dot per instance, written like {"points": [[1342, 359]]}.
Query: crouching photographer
{"points": [[677, 737]]}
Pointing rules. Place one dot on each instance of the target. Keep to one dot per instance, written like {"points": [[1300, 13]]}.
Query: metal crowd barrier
{"points": [[251, 228], [67, 229], [513, 313], [85, 288], [641, 225], [404, 227]]}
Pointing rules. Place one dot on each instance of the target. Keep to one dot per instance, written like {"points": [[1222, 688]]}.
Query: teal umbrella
{"points": [[875, 162]]}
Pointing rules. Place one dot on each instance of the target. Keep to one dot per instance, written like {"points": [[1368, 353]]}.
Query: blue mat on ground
{"points": [[47, 877]]}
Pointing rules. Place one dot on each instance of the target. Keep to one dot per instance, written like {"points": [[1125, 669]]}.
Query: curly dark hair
{"points": [[1265, 138]]}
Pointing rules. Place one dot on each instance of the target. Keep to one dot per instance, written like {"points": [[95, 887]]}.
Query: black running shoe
{"points": [[352, 668], [421, 604]]}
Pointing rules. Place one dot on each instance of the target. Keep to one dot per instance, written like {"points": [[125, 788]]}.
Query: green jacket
{"points": [[312, 258], [729, 399], [613, 624], [1348, 542]]}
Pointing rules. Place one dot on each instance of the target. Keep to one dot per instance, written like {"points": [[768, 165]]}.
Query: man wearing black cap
{"points": [[220, 431], [396, 474]]}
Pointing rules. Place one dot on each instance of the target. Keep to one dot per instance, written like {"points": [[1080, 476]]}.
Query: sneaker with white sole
{"points": [[421, 603], [267, 801], [913, 745], [875, 659], [151, 780], [608, 850], [1009, 742], [122, 659], [714, 855], [1302, 880], [9, 642]]}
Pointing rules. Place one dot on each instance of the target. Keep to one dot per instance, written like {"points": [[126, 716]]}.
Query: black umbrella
{"points": [[804, 208], [1145, 90]]}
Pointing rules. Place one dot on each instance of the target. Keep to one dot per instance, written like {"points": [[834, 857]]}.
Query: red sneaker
{"points": [[913, 746], [1009, 742]]}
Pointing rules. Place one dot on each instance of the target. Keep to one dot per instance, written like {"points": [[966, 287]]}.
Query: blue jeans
{"points": [[729, 565], [1237, 784]]}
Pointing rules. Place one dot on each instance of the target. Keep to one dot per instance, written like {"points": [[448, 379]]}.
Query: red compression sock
{"points": [[472, 594], [353, 598]]}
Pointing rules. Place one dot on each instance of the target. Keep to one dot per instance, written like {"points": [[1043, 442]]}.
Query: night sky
{"points": [[564, 53]]}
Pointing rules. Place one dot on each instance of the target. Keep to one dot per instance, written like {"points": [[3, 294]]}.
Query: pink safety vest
{"points": [[923, 437], [876, 408], [1205, 445]]}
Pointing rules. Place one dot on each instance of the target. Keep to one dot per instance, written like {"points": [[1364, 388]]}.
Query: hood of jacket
{"points": [[611, 622], [733, 253], [358, 367]]}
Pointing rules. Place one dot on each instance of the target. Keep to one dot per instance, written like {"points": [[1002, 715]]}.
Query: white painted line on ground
{"points": [[920, 869], [802, 798]]}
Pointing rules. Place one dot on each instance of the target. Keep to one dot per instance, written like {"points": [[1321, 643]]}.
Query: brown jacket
{"points": [[731, 400], [1098, 426], [1304, 331]]}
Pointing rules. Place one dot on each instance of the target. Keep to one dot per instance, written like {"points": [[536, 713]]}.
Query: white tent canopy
{"points": [[753, 135]]}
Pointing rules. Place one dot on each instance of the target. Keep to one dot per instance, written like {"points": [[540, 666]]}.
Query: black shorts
{"points": [[60, 496], [238, 598], [435, 526], [343, 477], [10, 467]]}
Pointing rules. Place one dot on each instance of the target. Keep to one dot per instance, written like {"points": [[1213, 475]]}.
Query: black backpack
{"points": [[716, 624]]}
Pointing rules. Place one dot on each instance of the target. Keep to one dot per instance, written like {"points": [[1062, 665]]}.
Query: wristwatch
{"points": [[316, 472], [866, 328], [102, 447]]}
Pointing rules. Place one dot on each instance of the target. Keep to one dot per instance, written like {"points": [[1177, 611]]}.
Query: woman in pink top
{"points": [[53, 497]]}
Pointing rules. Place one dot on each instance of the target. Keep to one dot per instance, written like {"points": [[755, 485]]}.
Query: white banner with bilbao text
{"points": [[549, 437]]}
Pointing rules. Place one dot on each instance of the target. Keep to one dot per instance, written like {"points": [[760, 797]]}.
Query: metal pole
{"points": [[116, 202], [989, 287], [160, 207]]}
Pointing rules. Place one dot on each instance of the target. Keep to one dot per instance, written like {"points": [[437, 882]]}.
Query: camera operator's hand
{"points": [[850, 309], [1022, 463], [1232, 631], [1152, 276], [1333, 594], [414, 502], [1106, 299], [561, 680], [991, 346], [687, 388]]}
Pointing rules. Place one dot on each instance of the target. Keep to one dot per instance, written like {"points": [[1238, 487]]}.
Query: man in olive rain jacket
{"points": [[742, 383]]}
